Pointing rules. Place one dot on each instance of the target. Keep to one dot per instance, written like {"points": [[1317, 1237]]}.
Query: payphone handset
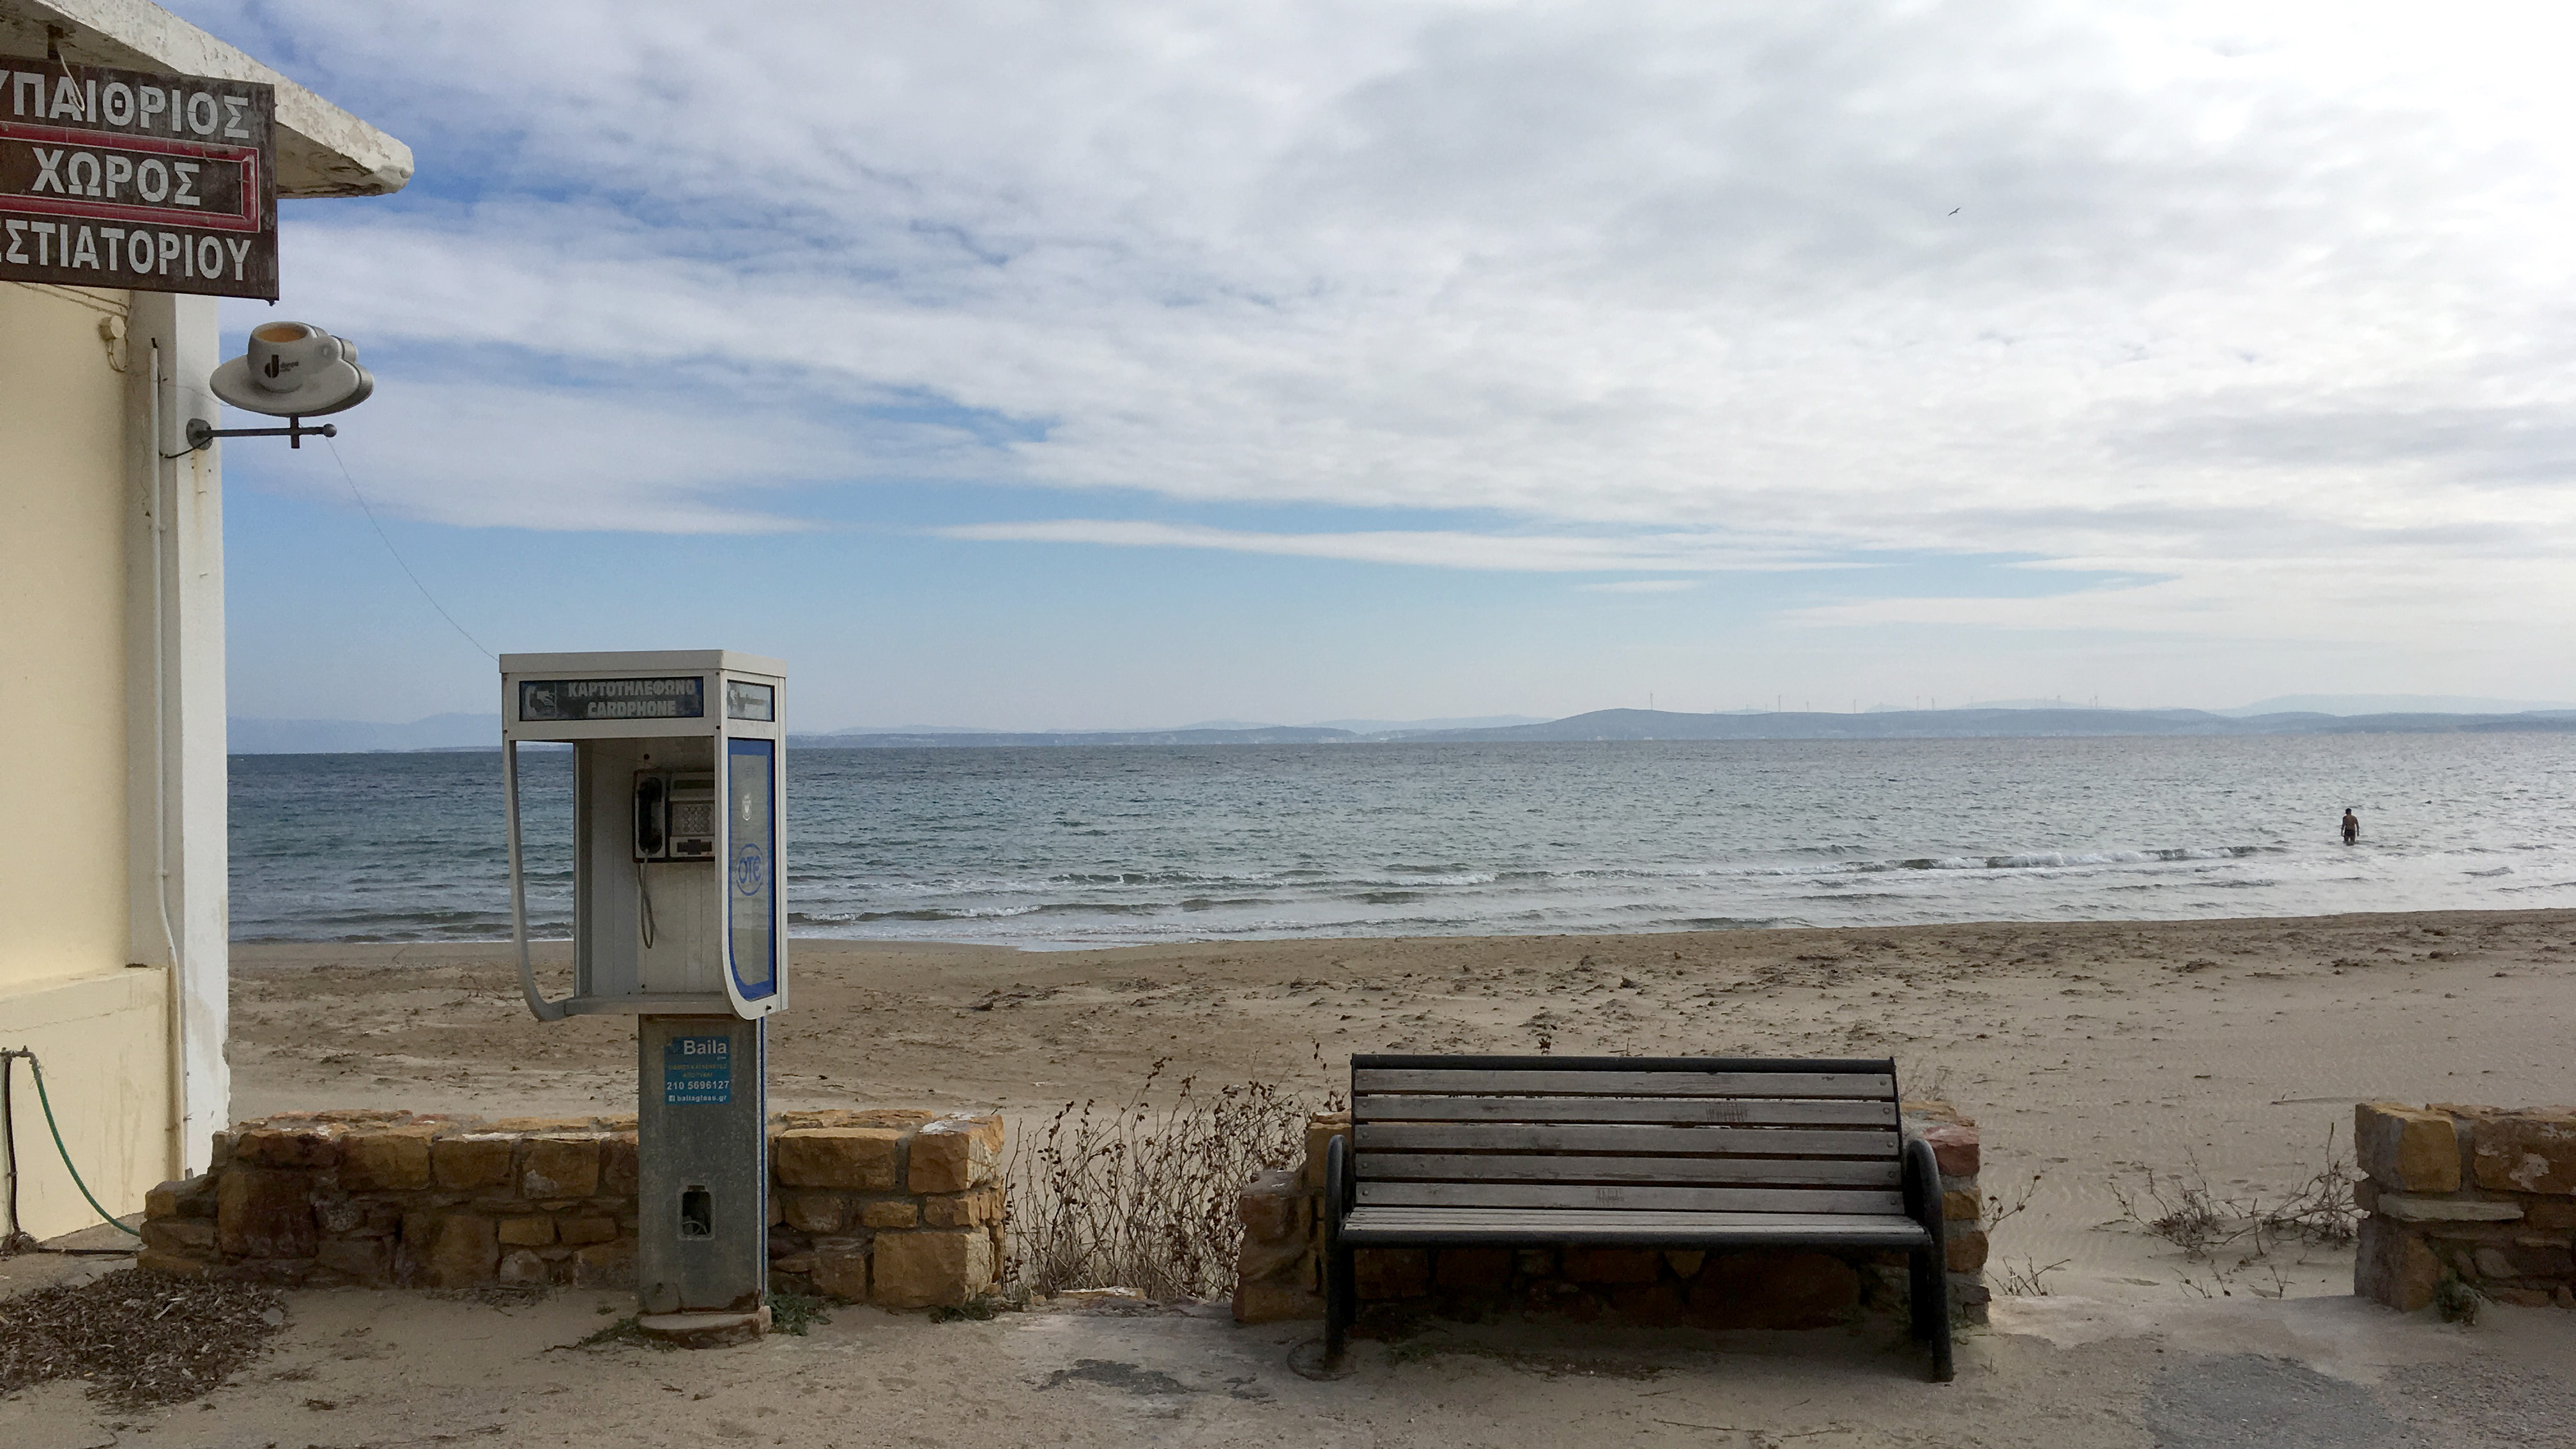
{"points": [[678, 772], [675, 816]]}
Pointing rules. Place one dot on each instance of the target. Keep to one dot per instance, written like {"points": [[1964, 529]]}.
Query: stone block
{"points": [[522, 1266], [1954, 1147], [1266, 1302], [605, 1265], [306, 1147], [846, 1157], [471, 1161], [265, 1213], [185, 1197], [1775, 1290], [582, 1231], [841, 1268], [961, 1209], [526, 1232], [1685, 1261], [2550, 1213], [1260, 1260], [2526, 1152], [464, 1251], [391, 1159], [1960, 1207], [2406, 1149], [2407, 1208], [1391, 1272], [2531, 1257], [363, 1260], [889, 1212], [1271, 1206], [1321, 1129], [929, 1269], [954, 1154], [1472, 1268], [814, 1212], [180, 1237], [525, 1125], [2394, 1266], [2518, 1297], [618, 1171], [1965, 1252], [171, 1266], [1654, 1305], [560, 1167], [1613, 1265]]}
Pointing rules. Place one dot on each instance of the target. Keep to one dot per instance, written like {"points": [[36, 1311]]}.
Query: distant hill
{"points": [[2356, 704], [1642, 724], [351, 737], [483, 731], [1256, 735]]}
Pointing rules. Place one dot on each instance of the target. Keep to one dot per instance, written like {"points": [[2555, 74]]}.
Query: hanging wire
{"points": [[364, 507]]}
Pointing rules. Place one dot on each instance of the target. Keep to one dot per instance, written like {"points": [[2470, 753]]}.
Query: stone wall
{"points": [[1279, 1272], [901, 1209], [2485, 1196]]}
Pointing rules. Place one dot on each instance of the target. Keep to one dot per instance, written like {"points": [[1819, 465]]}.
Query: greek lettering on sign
{"points": [[113, 178]]}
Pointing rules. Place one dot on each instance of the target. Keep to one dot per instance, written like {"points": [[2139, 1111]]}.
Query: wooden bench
{"points": [[1666, 1152]]}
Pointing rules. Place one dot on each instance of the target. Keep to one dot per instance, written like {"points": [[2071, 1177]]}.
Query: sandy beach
{"points": [[2091, 1053]]}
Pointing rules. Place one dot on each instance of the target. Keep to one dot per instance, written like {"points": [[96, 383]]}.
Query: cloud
{"points": [[1640, 586], [2157, 287], [1426, 548]]}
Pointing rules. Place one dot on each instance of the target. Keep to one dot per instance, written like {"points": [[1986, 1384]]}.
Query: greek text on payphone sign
{"points": [[588, 699]]}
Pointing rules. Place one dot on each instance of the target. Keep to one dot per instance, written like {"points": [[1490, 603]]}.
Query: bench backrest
{"points": [[1710, 1134]]}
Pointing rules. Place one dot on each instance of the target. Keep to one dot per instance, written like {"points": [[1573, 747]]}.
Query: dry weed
{"points": [[1143, 1196], [2211, 1227]]}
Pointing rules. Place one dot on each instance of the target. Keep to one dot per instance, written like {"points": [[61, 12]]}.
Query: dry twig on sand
{"points": [[2184, 1210], [139, 1338]]}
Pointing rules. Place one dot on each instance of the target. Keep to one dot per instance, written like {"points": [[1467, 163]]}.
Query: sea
{"points": [[1046, 848]]}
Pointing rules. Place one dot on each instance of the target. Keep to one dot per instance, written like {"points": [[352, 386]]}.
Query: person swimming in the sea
{"points": [[2351, 826]]}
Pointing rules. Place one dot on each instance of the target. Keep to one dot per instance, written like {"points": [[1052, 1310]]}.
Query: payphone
{"points": [[679, 921]]}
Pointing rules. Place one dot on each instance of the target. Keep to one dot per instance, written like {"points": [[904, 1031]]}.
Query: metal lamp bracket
{"points": [[202, 434]]}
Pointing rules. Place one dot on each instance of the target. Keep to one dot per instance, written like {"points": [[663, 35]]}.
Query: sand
{"points": [[2091, 1054]]}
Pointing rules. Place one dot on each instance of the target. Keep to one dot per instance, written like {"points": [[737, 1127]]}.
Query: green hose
{"points": [[48, 1104]]}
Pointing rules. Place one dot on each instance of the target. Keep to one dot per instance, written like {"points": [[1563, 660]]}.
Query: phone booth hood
{"points": [[679, 796]]}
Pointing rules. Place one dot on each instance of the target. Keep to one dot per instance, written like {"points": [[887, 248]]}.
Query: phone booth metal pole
{"points": [[679, 793]]}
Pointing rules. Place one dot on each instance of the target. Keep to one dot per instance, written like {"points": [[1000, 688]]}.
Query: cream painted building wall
{"points": [[113, 920], [67, 991]]}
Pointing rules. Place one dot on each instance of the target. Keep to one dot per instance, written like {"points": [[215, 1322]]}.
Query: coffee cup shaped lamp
{"points": [[292, 370]]}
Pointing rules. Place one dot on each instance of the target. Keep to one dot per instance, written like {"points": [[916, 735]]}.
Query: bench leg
{"points": [[1340, 1307], [1931, 1308]]}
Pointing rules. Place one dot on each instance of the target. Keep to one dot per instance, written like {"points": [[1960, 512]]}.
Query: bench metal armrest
{"points": [[1338, 1187], [1923, 1187]]}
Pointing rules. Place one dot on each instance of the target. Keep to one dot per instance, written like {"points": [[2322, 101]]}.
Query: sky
{"points": [[1117, 365]]}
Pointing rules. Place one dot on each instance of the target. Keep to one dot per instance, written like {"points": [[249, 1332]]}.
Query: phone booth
{"points": [[679, 777]]}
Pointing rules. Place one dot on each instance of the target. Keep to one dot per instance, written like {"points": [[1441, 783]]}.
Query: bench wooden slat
{"points": [[1626, 1083], [1697, 1141], [1628, 1197], [1562, 1225], [1499, 1167], [1377, 1107]]}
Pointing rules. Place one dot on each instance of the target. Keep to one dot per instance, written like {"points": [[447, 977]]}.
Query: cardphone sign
{"points": [[121, 178]]}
